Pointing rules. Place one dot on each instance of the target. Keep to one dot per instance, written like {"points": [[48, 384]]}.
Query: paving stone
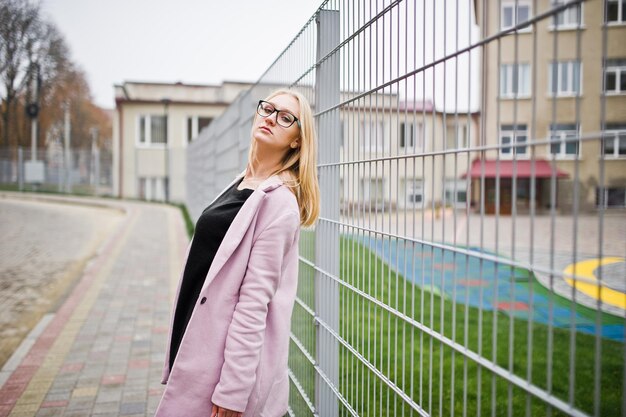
{"points": [[76, 413], [50, 412], [132, 397], [106, 407], [85, 392], [55, 396], [80, 403], [112, 357], [35, 267], [132, 408], [108, 396]]}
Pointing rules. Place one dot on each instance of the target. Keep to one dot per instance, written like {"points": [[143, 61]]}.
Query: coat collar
{"points": [[268, 184], [240, 224]]}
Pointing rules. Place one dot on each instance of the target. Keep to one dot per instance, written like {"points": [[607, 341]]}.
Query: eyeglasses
{"points": [[284, 118]]}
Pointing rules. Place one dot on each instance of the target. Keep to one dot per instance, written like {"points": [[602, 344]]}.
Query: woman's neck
{"points": [[258, 170]]}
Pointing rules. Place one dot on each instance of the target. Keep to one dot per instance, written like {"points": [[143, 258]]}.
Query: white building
{"points": [[152, 125]]}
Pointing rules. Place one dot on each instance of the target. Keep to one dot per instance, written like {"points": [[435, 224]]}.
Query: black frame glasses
{"points": [[278, 112]]}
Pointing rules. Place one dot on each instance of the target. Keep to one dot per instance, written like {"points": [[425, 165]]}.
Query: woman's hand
{"points": [[223, 412]]}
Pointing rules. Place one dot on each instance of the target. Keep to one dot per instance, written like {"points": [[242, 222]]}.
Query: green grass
{"points": [[189, 224], [436, 377], [82, 190]]}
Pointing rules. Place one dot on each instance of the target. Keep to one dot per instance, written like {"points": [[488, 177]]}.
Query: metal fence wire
{"points": [[470, 255], [55, 169]]}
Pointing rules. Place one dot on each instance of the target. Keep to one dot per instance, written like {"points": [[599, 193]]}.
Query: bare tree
{"points": [[27, 43], [19, 33]]}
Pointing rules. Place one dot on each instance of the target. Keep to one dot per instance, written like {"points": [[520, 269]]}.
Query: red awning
{"points": [[542, 169]]}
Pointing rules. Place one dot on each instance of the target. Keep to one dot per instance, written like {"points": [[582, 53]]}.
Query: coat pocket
{"points": [[277, 399]]}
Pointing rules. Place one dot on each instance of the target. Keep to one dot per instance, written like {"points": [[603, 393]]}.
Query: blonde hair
{"points": [[299, 166]]}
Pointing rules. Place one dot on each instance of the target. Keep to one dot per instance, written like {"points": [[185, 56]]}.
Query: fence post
{"points": [[20, 168], [97, 171], [327, 233]]}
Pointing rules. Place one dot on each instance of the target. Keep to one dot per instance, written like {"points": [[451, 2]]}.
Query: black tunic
{"points": [[209, 233]]}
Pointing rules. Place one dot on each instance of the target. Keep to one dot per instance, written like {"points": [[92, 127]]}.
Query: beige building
{"points": [[152, 125], [551, 83], [414, 156]]}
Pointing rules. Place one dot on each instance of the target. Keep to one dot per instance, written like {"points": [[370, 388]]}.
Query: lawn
{"points": [[441, 380]]}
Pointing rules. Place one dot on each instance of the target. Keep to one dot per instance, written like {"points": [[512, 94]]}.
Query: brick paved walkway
{"points": [[44, 249], [101, 352]]}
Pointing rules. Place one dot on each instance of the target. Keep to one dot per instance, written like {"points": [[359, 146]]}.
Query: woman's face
{"points": [[271, 135]]}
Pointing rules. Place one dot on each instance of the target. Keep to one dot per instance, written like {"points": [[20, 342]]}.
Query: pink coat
{"points": [[234, 351]]}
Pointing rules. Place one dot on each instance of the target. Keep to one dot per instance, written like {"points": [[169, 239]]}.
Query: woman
{"points": [[229, 341]]}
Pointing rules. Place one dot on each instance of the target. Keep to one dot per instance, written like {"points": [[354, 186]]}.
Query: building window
{"points": [[514, 13], [614, 141], [611, 197], [195, 124], [372, 191], [414, 190], [152, 130], [411, 135], [615, 76], [568, 18], [513, 135], [564, 78], [151, 188], [616, 11], [514, 80], [564, 140], [372, 136], [456, 136], [456, 192]]}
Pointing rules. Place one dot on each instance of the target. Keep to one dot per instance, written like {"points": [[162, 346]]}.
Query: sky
{"points": [[210, 41], [192, 41]]}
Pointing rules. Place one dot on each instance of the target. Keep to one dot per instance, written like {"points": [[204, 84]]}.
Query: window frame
{"points": [[602, 202], [366, 144], [615, 132], [564, 133], [514, 5], [372, 200], [410, 187], [621, 4], [513, 77], [151, 188], [450, 185], [514, 132], [567, 26], [570, 74], [463, 127], [619, 70], [195, 130], [147, 143], [416, 138]]}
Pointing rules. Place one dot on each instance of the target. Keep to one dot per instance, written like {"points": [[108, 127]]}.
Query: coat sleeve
{"points": [[247, 328]]}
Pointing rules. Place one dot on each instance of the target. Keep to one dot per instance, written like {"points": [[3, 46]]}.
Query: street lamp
{"points": [[166, 103]]}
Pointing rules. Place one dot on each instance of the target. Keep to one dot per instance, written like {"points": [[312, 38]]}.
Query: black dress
{"points": [[209, 233]]}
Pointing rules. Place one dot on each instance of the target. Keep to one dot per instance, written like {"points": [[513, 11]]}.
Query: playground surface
{"points": [[490, 281]]}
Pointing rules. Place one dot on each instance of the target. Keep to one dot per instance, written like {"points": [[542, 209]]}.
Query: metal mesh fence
{"points": [[52, 169], [470, 255]]}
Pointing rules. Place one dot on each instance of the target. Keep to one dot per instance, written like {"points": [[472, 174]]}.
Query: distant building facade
{"points": [[152, 125], [577, 91], [429, 169]]}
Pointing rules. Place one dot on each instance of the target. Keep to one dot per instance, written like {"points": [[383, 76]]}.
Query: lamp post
{"points": [[166, 180], [33, 169], [33, 108]]}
